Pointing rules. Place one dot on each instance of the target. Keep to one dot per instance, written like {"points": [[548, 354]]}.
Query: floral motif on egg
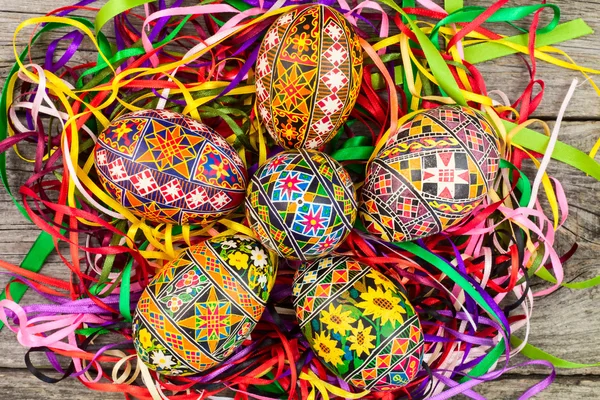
{"points": [[201, 306], [359, 323], [166, 167], [308, 76], [301, 204], [430, 175]]}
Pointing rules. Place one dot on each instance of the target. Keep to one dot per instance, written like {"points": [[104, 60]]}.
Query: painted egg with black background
{"points": [[308, 75], [358, 323], [201, 306], [430, 175], [166, 167], [301, 204]]}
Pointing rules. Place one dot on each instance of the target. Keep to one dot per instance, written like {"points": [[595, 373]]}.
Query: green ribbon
{"points": [[481, 52], [92, 331], [535, 353], [378, 82], [487, 362], [224, 113], [538, 142], [125, 293], [239, 4], [436, 62], [543, 273], [509, 14], [523, 184], [112, 8], [357, 148], [453, 5]]}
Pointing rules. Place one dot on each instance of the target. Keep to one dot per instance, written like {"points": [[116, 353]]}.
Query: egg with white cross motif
{"points": [[430, 175]]}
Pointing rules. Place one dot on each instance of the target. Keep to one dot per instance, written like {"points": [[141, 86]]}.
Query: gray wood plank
{"points": [[22, 384], [564, 324], [509, 387], [563, 388]]}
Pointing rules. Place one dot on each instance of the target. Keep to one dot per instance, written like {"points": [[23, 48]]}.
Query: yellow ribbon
{"points": [[324, 388]]}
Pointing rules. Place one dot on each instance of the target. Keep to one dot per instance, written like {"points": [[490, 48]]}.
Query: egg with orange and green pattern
{"points": [[200, 307], [359, 323]]}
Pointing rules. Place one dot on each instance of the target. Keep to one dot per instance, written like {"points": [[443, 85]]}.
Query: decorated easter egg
{"points": [[201, 306], [430, 175], [308, 76], [301, 204], [358, 323], [166, 167]]}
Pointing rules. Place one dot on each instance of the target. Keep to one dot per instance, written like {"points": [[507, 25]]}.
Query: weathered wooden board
{"points": [[563, 388], [16, 383], [565, 323]]}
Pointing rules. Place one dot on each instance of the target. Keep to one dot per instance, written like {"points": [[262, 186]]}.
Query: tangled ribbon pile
{"points": [[199, 61]]}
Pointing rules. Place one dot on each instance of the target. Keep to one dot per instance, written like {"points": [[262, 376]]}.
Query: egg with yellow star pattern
{"points": [[201, 306], [166, 167], [358, 323]]}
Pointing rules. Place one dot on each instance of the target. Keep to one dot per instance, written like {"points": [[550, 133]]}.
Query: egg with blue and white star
{"points": [[301, 204]]}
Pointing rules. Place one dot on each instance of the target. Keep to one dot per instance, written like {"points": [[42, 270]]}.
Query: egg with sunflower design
{"points": [[201, 306], [301, 204], [166, 167], [358, 323], [308, 76]]}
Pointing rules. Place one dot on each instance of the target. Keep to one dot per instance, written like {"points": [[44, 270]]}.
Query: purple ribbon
{"points": [[76, 38], [161, 22]]}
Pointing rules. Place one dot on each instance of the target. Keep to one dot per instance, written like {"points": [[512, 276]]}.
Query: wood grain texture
{"points": [[564, 324], [563, 388], [18, 384]]}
